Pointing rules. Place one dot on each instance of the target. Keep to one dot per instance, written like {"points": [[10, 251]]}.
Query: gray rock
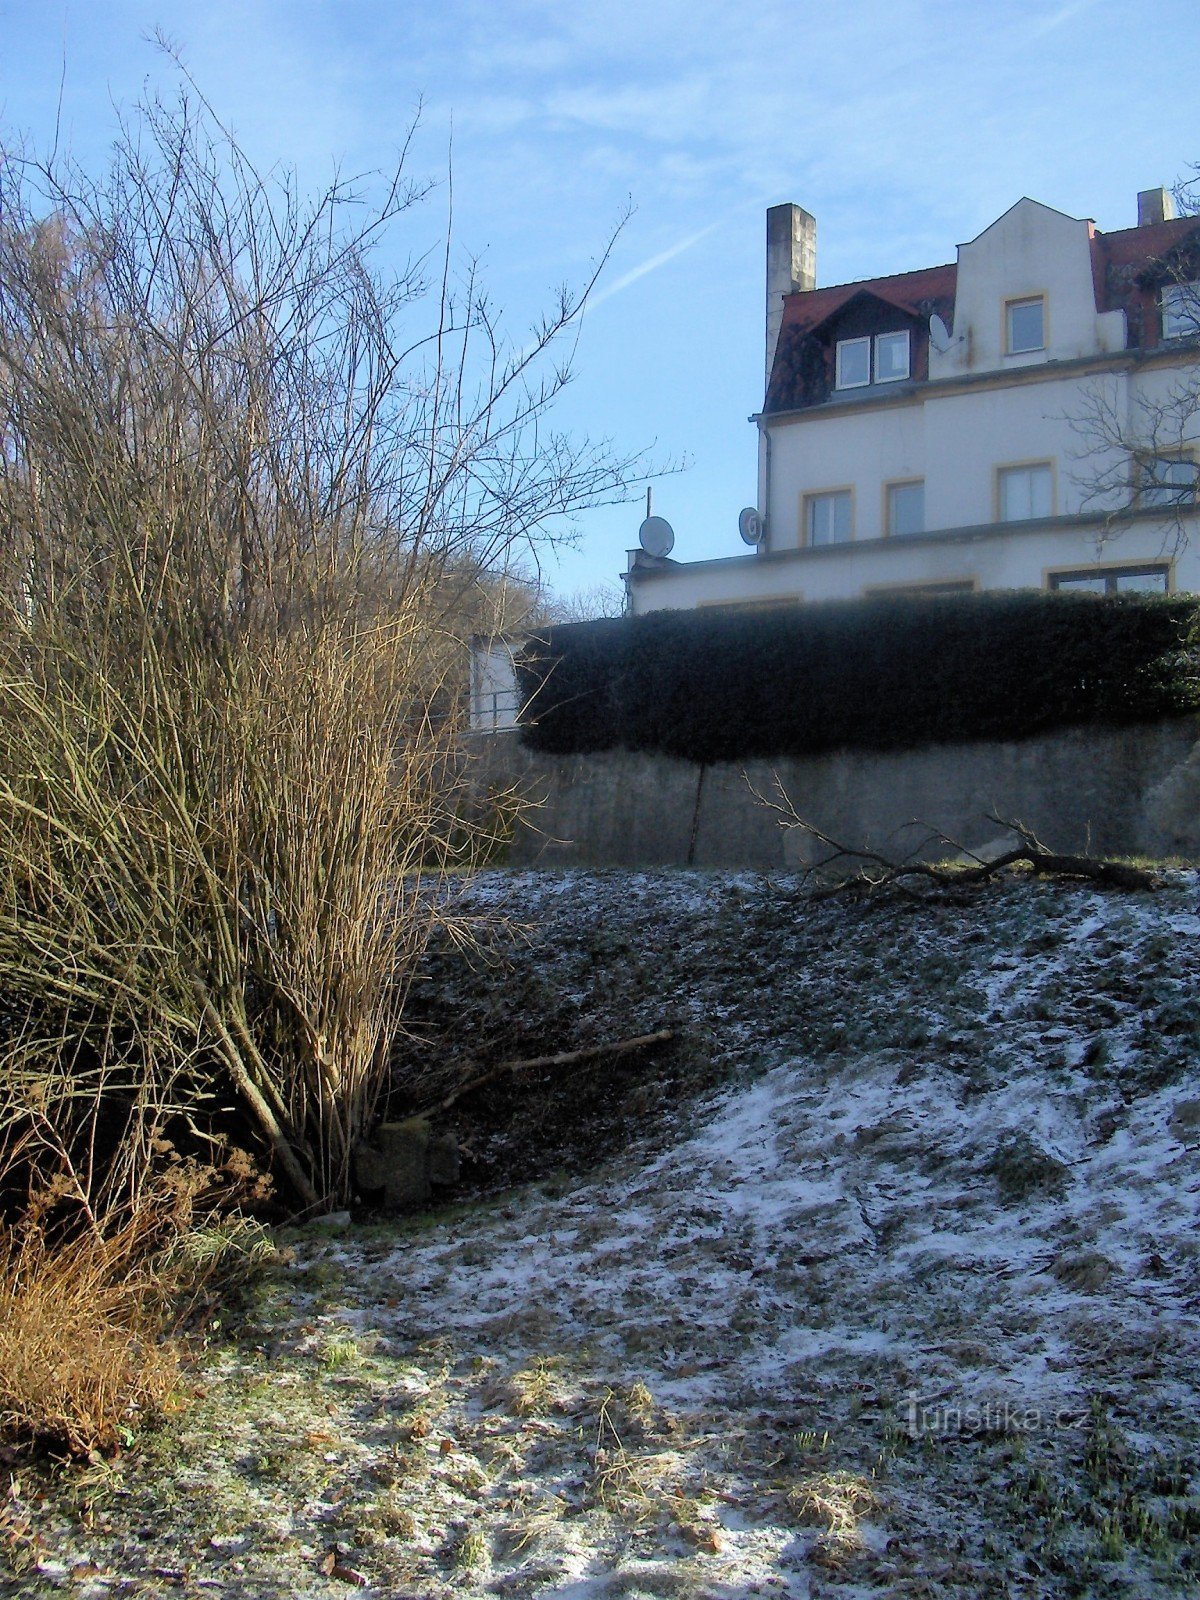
{"points": [[1185, 1122], [404, 1160], [332, 1221]]}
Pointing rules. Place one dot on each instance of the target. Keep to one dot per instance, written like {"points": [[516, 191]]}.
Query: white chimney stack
{"points": [[791, 264], [1154, 205]]}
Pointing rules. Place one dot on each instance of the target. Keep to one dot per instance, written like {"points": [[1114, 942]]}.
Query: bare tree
{"points": [[1139, 440], [251, 489], [593, 601]]}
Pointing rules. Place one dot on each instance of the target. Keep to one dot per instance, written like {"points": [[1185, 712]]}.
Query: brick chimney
{"points": [[791, 264], [1154, 205]]}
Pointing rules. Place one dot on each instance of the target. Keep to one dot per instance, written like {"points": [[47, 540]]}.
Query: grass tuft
{"points": [[836, 1502], [82, 1347]]}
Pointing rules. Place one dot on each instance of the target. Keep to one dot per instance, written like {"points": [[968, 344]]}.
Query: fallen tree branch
{"points": [[564, 1058], [880, 871]]}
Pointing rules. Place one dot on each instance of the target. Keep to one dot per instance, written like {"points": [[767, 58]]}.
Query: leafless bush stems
{"points": [[252, 493]]}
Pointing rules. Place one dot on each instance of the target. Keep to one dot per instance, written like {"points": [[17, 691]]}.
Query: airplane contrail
{"points": [[652, 264]]}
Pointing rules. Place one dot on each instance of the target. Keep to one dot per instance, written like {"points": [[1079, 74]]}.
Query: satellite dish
{"points": [[939, 335], [656, 536], [750, 525]]}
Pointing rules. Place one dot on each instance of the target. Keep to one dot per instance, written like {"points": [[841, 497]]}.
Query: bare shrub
{"points": [[252, 494]]}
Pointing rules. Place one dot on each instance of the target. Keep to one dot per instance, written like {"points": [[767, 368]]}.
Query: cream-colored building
{"points": [[1010, 420]]}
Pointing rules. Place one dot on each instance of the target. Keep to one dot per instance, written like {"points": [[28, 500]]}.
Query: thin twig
{"points": [[564, 1058]]}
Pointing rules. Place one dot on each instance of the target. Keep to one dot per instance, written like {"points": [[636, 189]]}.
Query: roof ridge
{"points": [[883, 277], [1145, 227]]}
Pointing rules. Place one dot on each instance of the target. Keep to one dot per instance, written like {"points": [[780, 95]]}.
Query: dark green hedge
{"points": [[872, 674]]}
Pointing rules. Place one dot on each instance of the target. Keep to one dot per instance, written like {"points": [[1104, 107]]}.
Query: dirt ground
{"points": [[879, 1278]]}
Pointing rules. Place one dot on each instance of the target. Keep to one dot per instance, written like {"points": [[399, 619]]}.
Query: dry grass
{"points": [[82, 1347], [87, 1327], [635, 1485], [533, 1391], [836, 1502]]}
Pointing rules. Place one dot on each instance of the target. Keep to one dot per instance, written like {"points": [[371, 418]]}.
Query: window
{"points": [[827, 517], [906, 507], [853, 363], [1025, 492], [891, 357], [1166, 480], [1181, 310], [1025, 322], [1154, 578], [883, 359]]}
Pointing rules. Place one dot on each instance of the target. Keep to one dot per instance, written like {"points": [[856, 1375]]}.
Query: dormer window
{"points": [[853, 363], [1181, 311], [882, 359], [1025, 325], [891, 357]]}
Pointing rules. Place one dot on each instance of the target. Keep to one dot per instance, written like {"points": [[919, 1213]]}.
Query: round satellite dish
{"points": [[939, 334], [656, 536], [750, 525]]}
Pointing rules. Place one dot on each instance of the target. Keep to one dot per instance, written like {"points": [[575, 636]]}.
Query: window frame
{"points": [[872, 342], [1006, 468], [808, 502], [1015, 304], [845, 344], [889, 532], [922, 589], [1143, 481], [1109, 571], [899, 377]]}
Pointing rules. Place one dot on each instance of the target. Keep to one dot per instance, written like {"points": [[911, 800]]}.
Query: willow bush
{"points": [[254, 493]]}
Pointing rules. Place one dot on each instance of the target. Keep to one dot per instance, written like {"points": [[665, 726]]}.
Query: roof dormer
{"points": [[1026, 296]]}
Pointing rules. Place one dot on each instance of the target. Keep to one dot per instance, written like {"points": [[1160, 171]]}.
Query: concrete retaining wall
{"points": [[1127, 791]]}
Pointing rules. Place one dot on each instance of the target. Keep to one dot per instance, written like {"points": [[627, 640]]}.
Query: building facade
{"points": [[1025, 417]]}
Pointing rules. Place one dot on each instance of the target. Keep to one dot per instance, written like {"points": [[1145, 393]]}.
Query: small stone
{"points": [[332, 1220], [443, 1158], [1185, 1121]]}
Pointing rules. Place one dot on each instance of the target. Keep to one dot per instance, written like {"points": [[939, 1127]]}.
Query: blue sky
{"points": [[905, 126]]}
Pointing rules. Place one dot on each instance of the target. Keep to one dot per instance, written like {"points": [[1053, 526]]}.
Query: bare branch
{"points": [[873, 871]]}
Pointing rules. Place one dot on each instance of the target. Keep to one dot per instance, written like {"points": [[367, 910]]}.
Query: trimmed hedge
{"points": [[868, 674]]}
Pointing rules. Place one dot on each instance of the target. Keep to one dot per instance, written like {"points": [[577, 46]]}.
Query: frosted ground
{"points": [[900, 1298]]}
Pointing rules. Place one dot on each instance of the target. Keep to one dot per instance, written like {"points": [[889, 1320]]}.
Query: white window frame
{"points": [[844, 345], [1011, 347], [870, 343], [889, 517], [1009, 474], [831, 498], [896, 377]]}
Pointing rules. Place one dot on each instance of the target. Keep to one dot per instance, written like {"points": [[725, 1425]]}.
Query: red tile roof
{"points": [[1122, 255], [1128, 252], [1123, 275], [807, 309]]}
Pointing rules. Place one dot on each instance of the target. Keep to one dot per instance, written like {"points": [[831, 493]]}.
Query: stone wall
{"points": [[1122, 791]]}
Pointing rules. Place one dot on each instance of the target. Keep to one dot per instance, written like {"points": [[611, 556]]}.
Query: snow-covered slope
{"points": [[907, 1306]]}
